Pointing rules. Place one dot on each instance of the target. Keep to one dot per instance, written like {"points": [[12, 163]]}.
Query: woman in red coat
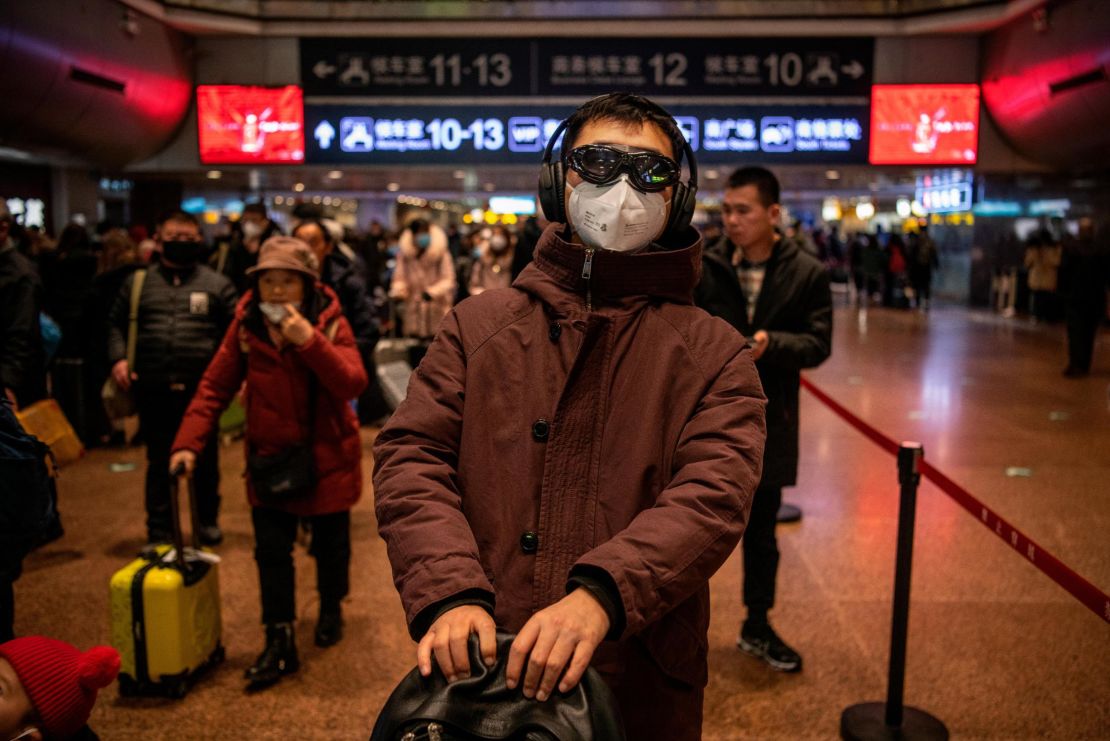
{"points": [[298, 356]]}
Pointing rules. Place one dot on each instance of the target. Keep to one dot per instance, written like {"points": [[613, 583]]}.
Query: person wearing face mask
{"points": [[184, 309], [424, 279], [297, 355], [240, 254], [628, 430], [493, 266]]}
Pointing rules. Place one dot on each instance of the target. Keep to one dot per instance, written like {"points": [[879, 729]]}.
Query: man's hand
{"points": [[759, 342], [447, 640], [187, 459], [123, 375], [295, 328], [564, 635]]}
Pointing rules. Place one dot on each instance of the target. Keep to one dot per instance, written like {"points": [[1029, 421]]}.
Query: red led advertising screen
{"points": [[924, 124], [250, 125]]}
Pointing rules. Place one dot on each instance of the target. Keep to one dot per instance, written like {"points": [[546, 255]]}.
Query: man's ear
{"points": [[775, 212]]}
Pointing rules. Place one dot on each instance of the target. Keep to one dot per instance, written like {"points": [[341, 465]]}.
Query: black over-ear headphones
{"points": [[553, 181]]}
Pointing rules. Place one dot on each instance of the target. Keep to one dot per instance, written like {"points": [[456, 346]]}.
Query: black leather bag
{"points": [[290, 474], [482, 707]]}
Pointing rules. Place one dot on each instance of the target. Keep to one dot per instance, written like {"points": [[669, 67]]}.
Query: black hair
{"points": [[181, 217], [763, 179], [73, 237], [311, 305], [254, 207], [419, 226], [319, 225], [628, 109]]}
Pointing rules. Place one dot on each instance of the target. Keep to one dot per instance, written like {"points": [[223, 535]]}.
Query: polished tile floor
{"points": [[996, 650]]}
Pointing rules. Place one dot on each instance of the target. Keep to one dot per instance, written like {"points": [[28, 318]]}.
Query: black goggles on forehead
{"points": [[600, 164]]}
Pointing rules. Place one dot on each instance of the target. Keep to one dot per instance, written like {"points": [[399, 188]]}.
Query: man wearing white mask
{"points": [[584, 446], [255, 227]]}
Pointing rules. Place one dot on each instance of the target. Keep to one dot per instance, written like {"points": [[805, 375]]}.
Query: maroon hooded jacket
{"points": [[571, 425], [277, 402]]}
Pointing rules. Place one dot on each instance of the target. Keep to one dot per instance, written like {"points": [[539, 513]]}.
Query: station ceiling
{"points": [[332, 17]]}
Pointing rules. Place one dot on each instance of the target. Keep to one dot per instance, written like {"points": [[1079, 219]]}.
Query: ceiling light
{"points": [[903, 207], [298, 187], [393, 187], [865, 210], [214, 174], [335, 174], [317, 199], [278, 200], [832, 174], [712, 174], [460, 174], [489, 187]]}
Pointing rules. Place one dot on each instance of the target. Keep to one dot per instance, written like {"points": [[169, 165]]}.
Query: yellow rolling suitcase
{"points": [[166, 613]]}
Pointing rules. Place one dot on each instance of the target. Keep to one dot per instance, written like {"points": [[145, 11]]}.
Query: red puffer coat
{"points": [[277, 399]]}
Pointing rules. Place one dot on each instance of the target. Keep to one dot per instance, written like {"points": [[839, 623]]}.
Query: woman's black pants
{"points": [[274, 533]]}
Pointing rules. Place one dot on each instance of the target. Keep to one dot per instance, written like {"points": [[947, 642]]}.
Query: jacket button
{"points": [[555, 331], [529, 542], [540, 430]]}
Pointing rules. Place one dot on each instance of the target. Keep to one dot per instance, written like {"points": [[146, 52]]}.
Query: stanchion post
{"points": [[874, 721], [909, 476]]}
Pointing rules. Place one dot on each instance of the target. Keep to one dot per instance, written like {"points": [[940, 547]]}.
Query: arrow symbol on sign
{"points": [[324, 133], [853, 70], [322, 69]]}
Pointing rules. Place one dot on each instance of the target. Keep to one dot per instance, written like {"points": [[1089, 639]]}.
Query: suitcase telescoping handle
{"points": [[182, 480]]}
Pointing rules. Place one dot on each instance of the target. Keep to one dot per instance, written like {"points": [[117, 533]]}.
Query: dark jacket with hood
{"points": [[183, 314], [345, 278], [565, 427], [795, 309]]}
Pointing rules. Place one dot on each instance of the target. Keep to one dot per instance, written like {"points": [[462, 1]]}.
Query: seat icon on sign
{"points": [[776, 134], [355, 134], [526, 134]]}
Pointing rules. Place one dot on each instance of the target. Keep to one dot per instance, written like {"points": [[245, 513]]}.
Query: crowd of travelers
{"points": [[282, 322]]}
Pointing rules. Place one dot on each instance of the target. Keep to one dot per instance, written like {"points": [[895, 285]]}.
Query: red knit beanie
{"points": [[61, 681]]}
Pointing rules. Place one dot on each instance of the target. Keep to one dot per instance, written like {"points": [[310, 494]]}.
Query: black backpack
{"points": [[482, 707], [28, 497]]}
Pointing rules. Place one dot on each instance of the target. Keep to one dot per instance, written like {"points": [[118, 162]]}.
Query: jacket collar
{"points": [[556, 275], [723, 251], [184, 273]]}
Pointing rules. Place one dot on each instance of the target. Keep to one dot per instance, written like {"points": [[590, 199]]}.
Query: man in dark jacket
{"points": [[184, 309], [22, 359], [343, 276], [779, 296], [577, 454]]}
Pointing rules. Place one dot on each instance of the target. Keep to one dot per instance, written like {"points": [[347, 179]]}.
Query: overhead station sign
{"points": [[924, 124], [239, 125], [712, 66], [504, 134]]}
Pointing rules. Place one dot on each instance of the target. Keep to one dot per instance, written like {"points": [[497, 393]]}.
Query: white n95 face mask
{"points": [[615, 216]]}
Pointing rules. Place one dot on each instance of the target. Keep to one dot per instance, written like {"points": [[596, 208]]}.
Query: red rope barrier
{"points": [[1094, 598]]}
